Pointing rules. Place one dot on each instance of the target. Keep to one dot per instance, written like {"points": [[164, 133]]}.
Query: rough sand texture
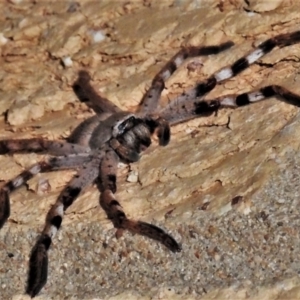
{"points": [[250, 249]]}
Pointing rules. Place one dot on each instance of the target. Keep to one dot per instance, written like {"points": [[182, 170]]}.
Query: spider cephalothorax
{"points": [[99, 143]]}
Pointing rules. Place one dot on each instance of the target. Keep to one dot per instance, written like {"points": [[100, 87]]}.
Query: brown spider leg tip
{"points": [[164, 135], [153, 232], [38, 266], [171, 244], [4, 208], [119, 233]]}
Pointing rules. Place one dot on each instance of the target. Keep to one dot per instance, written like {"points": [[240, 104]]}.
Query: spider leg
{"points": [[86, 93], [163, 131], [39, 145], [150, 100], [258, 95], [195, 108], [228, 72], [192, 108], [53, 164], [38, 263], [115, 211]]}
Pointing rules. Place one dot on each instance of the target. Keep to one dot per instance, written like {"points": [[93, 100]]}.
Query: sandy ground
{"points": [[248, 250]]}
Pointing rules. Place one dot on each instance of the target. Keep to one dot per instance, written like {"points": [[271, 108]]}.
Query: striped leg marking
{"points": [[259, 95], [238, 66], [151, 97], [38, 263], [116, 213], [86, 93], [194, 108], [53, 164], [13, 184]]}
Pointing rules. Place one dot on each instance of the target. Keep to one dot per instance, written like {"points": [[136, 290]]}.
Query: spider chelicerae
{"points": [[112, 135]]}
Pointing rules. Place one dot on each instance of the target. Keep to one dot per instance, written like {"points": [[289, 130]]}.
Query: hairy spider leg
{"points": [[115, 211], [38, 145], [52, 164], [188, 106], [38, 262], [150, 100], [86, 93]]}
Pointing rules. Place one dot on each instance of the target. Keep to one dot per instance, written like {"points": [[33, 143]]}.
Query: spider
{"points": [[112, 135]]}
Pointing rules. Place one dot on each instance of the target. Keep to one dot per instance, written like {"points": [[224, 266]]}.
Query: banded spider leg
{"points": [[190, 104], [115, 211], [149, 102], [77, 155], [38, 263]]}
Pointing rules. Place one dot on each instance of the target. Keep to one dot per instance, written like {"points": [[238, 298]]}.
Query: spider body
{"points": [[99, 143]]}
